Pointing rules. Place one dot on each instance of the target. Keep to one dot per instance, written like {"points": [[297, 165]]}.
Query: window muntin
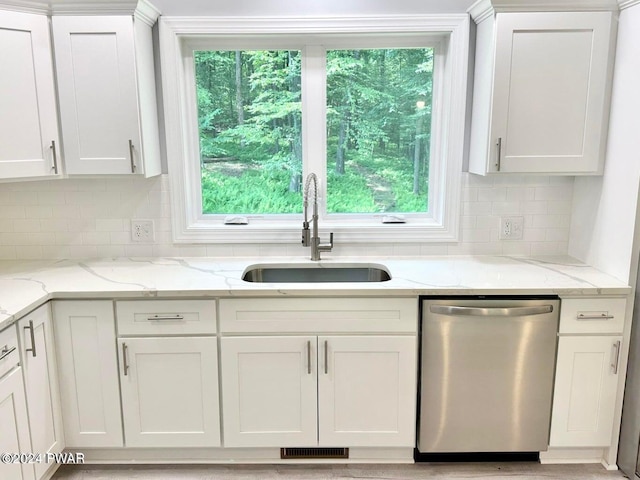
{"points": [[378, 129]]}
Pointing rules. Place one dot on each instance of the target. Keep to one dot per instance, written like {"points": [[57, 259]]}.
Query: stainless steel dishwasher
{"points": [[487, 370]]}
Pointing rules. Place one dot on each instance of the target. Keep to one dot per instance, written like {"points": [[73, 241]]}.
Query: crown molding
{"points": [[483, 9], [627, 3], [26, 6], [142, 9]]}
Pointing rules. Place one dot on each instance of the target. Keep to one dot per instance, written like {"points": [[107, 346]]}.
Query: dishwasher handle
{"points": [[491, 311]]}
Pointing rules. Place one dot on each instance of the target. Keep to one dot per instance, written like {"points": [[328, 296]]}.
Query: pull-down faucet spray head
{"points": [[306, 238]]}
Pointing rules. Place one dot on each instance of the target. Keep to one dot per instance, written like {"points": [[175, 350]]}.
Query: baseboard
{"points": [[177, 456], [572, 455]]}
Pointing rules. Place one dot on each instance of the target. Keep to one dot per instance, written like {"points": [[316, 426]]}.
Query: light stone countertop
{"points": [[24, 285]]}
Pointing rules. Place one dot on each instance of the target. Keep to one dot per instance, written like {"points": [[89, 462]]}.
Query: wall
{"points": [[604, 213], [81, 218]]}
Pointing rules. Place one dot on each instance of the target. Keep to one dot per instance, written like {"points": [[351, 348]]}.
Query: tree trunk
{"points": [[239, 102], [340, 150], [416, 158]]}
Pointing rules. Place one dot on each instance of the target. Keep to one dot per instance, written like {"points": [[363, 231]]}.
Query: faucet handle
{"points": [[331, 239]]}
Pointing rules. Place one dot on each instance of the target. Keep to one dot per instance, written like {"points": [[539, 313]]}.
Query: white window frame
{"points": [[179, 36]]}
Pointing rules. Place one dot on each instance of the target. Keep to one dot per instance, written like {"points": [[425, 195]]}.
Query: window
{"points": [[376, 113]]}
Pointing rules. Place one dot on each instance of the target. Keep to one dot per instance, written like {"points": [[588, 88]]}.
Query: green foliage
{"points": [[253, 192], [249, 114]]}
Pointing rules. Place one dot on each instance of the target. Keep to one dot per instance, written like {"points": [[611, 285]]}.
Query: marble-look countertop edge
{"points": [[36, 283]]}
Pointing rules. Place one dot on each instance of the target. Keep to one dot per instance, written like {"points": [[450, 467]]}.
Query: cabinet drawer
{"points": [[166, 317], [313, 315], [9, 353], [592, 315]]}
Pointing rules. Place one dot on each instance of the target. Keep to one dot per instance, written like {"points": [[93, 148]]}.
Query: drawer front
{"points": [[317, 315], [592, 315], [9, 353], [166, 317]]}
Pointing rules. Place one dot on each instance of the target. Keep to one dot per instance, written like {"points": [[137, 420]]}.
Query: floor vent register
{"points": [[297, 453]]}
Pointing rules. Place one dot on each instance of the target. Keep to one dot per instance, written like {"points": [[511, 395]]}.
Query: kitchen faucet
{"points": [[314, 241]]}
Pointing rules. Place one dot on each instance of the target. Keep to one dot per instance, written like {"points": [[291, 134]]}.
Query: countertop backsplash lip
{"points": [[25, 285]]}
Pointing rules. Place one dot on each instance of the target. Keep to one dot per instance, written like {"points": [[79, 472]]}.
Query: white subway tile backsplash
{"points": [[506, 208], [551, 221], [8, 252], [476, 208], [539, 207], [557, 235], [556, 192], [38, 211], [96, 238], [406, 250], [84, 218], [110, 225], [51, 198], [54, 225], [27, 225], [28, 252], [17, 211], [492, 194]]}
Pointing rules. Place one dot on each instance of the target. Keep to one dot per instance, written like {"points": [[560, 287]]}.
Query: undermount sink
{"points": [[305, 273]]}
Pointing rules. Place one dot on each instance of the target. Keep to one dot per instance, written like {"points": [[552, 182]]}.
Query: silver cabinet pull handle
{"points": [[615, 357], [491, 311], [594, 316], [166, 317], [326, 357], [6, 351], [33, 339], [133, 163], [55, 157], [125, 365], [499, 156], [308, 357]]}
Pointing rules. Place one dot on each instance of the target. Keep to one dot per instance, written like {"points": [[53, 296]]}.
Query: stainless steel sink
{"points": [[305, 273]]}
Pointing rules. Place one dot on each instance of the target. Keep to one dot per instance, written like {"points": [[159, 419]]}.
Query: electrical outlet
{"points": [[142, 231], [511, 228]]}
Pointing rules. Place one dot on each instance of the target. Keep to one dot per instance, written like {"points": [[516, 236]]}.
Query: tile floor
{"points": [[433, 471]]}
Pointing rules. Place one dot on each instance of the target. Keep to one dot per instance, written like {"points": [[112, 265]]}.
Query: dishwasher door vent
{"points": [[301, 453]]}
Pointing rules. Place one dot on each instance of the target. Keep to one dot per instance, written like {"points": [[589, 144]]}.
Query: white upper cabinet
{"points": [[106, 86], [541, 92], [29, 145]]}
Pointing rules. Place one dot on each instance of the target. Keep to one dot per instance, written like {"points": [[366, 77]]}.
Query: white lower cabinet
{"points": [[170, 391], [367, 391], [86, 350], [41, 384], [306, 391], [14, 426], [585, 391], [14, 422], [269, 391]]}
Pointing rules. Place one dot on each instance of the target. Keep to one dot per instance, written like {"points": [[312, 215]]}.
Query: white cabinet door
{"points": [[548, 101], [88, 365], [269, 391], [367, 391], [14, 426], [170, 391], [29, 145], [585, 391], [41, 383], [96, 71]]}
